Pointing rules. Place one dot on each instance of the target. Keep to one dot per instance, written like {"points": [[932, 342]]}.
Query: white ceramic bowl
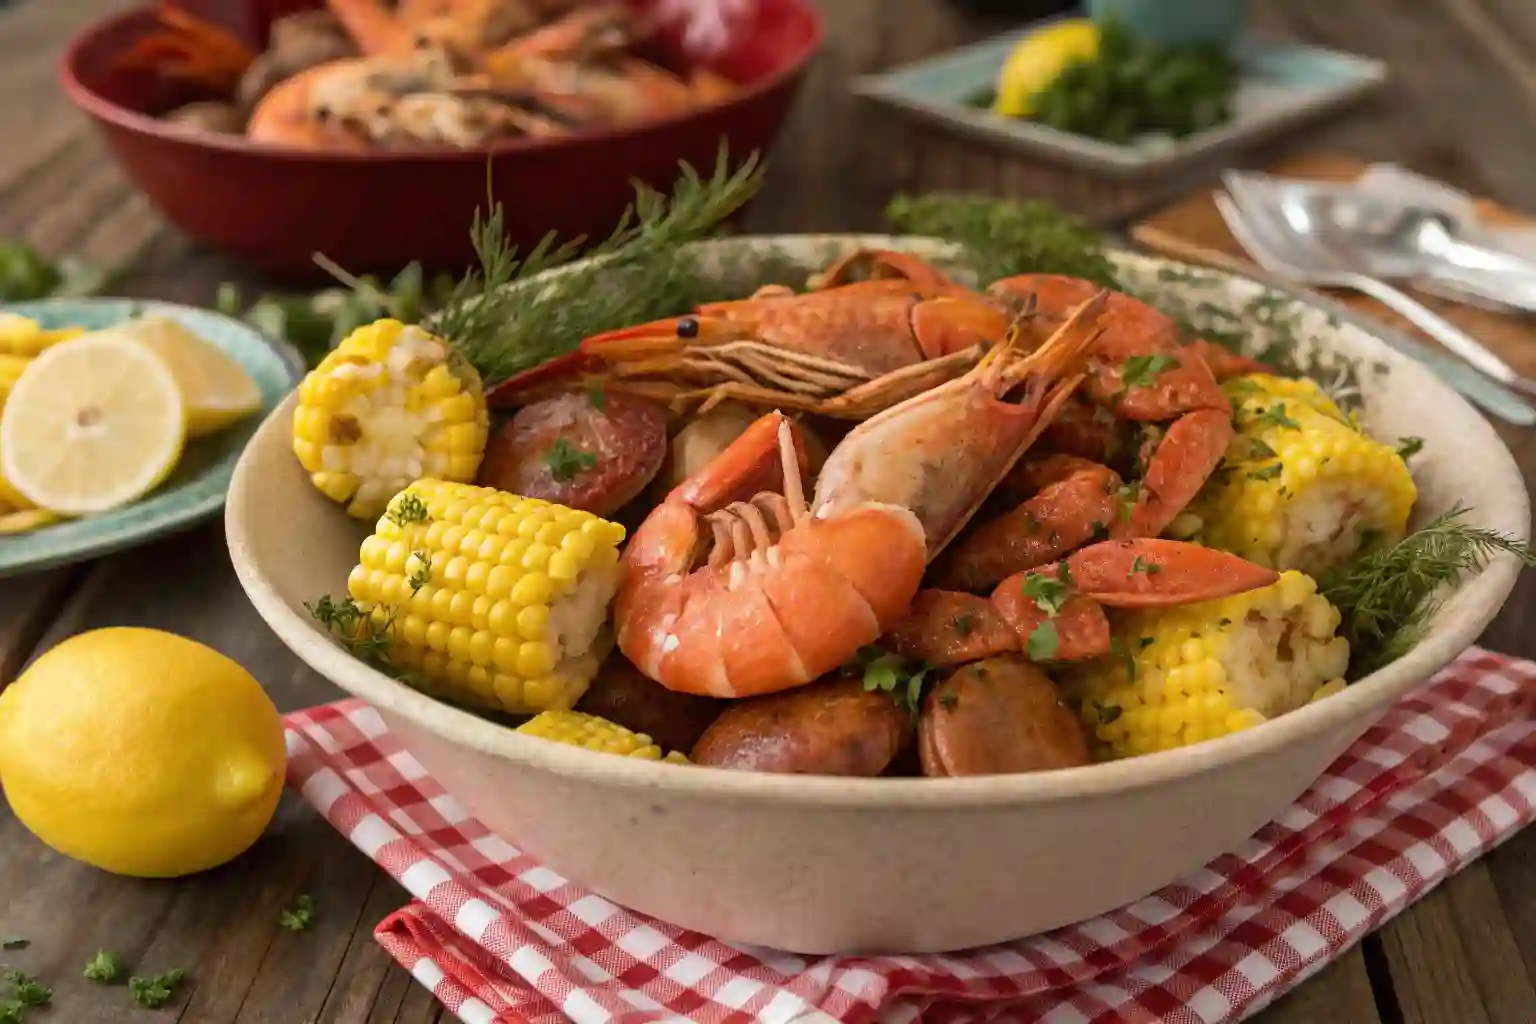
{"points": [[818, 865]]}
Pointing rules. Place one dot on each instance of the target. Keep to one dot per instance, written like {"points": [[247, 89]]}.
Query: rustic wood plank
{"points": [[1339, 994]]}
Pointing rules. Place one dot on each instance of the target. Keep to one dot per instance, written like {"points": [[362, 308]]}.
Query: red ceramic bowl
{"points": [[275, 207]]}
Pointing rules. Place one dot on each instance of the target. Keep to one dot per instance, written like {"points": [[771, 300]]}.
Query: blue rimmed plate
{"points": [[196, 489], [1283, 84]]}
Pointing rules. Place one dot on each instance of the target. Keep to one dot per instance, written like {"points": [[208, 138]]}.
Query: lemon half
{"points": [[95, 422], [214, 388]]}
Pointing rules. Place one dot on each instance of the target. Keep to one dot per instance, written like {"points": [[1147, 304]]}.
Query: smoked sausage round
{"points": [[996, 717], [830, 727], [587, 451]]}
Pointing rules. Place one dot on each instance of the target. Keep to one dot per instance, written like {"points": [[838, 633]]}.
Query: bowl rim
{"points": [[105, 110], [1364, 698]]}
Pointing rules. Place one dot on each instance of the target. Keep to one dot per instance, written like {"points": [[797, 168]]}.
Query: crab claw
{"points": [[1154, 573]]}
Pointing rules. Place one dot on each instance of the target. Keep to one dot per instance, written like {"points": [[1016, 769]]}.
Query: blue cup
{"points": [[1176, 22]]}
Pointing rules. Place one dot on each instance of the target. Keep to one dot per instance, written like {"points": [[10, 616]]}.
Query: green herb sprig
{"points": [[300, 916], [1135, 87], [1003, 237], [1386, 597], [503, 330], [157, 990], [900, 677]]}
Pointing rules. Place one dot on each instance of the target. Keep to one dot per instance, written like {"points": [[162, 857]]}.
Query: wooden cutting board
{"points": [[1192, 230]]}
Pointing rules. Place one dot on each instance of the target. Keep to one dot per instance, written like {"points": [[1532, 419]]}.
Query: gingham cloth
{"points": [[1447, 775]]}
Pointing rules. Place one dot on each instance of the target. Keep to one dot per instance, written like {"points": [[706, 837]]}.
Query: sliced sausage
{"points": [[945, 627], [621, 693], [997, 717], [592, 452], [833, 727]]}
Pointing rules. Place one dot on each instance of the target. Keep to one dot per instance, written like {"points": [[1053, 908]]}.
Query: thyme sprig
{"points": [[1387, 597]]}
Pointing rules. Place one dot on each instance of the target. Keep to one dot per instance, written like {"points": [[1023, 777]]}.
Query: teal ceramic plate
{"points": [[1283, 85], [196, 490]]}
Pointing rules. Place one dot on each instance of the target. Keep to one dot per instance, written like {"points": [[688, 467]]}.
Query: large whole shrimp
{"points": [[730, 590]]}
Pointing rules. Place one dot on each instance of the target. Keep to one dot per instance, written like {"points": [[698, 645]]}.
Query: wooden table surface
{"points": [[1462, 106]]}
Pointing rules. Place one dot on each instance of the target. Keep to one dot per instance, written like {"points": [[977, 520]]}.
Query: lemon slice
{"points": [[214, 389], [94, 423]]}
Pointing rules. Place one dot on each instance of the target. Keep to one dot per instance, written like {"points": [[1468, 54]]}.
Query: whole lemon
{"points": [[141, 753], [1038, 59]]}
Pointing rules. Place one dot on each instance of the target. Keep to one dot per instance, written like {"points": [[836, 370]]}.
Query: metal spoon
{"points": [[1273, 247], [1386, 240]]}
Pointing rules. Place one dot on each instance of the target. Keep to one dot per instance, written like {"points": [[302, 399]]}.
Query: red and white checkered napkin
{"points": [[1446, 776]]}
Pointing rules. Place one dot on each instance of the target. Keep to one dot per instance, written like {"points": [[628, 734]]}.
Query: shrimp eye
{"points": [[688, 327]]}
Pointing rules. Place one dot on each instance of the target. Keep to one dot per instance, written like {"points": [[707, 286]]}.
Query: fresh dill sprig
{"points": [[503, 330], [1387, 597], [1003, 237]]}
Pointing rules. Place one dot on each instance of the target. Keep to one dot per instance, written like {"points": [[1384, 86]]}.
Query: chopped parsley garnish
{"points": [[15, 942], [1275, 416], [1044, 642], [1049, 595], [597, 398], [949, 700], [103, 967], [154, 992], [901, 678], [964, 624], [1143, 371], [25, 989], [566, 462], [408, 508], [1408, 447], [1108, 713], [1127, 497], [1267, 473], [301, 915], [1141, 565]]}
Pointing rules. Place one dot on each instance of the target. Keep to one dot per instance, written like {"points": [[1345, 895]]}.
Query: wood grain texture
{"points": [[1455, 109]]}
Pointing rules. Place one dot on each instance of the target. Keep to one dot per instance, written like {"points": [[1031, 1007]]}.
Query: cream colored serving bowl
{"points": [[816, 865]]}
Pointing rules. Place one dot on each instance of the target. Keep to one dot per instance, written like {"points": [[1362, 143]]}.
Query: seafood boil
{"points": [[366, 74], [879, 519]]}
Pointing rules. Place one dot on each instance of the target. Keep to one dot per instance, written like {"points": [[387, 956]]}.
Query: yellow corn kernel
{"points": [[474, 630], [596, 734], [1186, 674], [391, 404], [1300, 487]]}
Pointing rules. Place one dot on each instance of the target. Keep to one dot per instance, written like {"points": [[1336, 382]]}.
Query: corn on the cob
{"points": [[391, 404], [596, 734], [22, 336], [489, 599], [1192, 673], [1301, 486]]}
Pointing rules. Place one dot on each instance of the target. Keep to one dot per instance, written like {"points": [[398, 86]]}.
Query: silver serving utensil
{"points": [[1271, 247], [1385, 239]]}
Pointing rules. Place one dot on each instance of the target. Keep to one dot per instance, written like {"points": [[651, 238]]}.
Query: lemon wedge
{"points": [[214, 389], [1038, 59], [93, 423]]}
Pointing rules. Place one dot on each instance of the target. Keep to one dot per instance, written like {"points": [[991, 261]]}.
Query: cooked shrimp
{"points": [[731, 591]]}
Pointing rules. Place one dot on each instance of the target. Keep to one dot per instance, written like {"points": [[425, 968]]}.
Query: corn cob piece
{"points": [[1301, 487], [24, 337], [596, 734], [1196, 672], [389, 405], [489, 599]]}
